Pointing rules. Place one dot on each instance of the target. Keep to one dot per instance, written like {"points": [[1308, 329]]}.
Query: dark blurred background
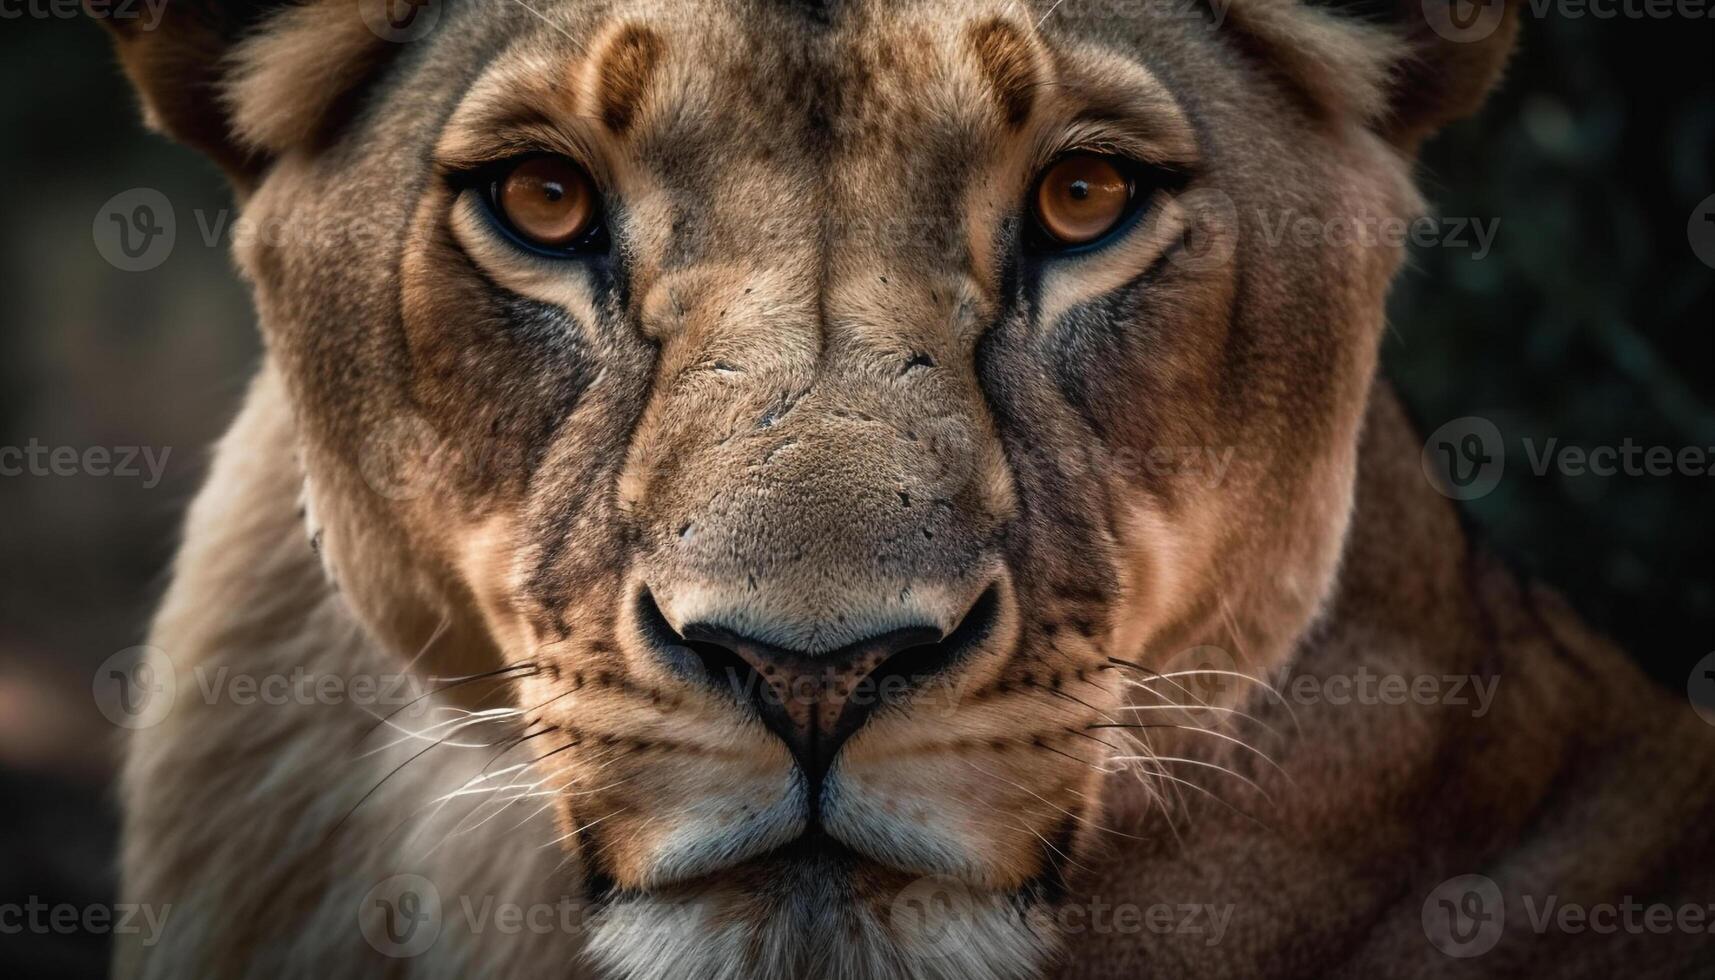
{"points": [[1588, 320]]}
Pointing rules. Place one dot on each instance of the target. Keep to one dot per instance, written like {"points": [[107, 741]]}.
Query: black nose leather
{"points": [[815, 702]]}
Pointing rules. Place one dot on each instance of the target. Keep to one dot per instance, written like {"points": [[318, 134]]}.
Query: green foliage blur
{"points": [[1591, 321]]}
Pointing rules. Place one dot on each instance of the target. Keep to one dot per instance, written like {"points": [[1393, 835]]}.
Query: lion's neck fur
{"points": [[1550, 783], [249, 822]]}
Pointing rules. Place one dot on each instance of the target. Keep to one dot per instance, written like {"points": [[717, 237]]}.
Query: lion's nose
{"points": [[814, 702]]}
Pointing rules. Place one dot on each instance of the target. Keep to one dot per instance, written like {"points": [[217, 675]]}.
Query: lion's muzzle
{"points": [[814, 702]]}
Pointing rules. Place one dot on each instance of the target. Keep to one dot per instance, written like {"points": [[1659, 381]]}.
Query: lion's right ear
{"points": [[246, 80], [1406, 67]]}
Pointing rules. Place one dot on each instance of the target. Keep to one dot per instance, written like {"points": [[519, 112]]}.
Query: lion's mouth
{"points": [[815, 859]]}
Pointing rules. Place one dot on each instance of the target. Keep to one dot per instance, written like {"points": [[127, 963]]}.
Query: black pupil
{"points": [[552, 190], [1080, 189]]}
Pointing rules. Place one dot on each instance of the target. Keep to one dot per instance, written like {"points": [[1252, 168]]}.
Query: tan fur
{"points": [[1343, 67], [272, 108], [819, 391]]}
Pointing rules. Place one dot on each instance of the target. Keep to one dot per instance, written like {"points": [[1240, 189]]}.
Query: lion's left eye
{"points": [[547, 201], [1080, 198]]}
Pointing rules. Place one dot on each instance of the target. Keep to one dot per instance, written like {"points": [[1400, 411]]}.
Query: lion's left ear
{"points": [[1405, 67], [245, 80]]}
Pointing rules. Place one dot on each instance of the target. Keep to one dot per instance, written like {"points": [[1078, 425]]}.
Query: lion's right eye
{"points": [[547, 201], [1081, 198]]}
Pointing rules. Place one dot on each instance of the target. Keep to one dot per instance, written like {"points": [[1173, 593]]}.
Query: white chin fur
{"points": [[817, 932]]}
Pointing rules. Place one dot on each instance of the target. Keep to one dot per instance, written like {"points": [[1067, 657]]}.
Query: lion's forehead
{"points": [[785, 120]]}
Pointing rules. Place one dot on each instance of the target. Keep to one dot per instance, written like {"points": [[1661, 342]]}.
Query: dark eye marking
{"points": [[1009, 66], [628, 66]]}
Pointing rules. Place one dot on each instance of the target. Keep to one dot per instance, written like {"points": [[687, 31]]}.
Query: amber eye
{"points": [[1081, 198], [547, 200]]}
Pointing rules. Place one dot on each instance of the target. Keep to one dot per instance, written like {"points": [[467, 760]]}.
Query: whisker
{"points": [[1207, 731], [470, 789], [434, 637], [1077, 700], [525, 669], [458, 723], [1082, 762], [1162, 774], [1050, 845], [461, 829], [1078, 817], [560, 793], [469, 719], [1197, 672], [1210, 765], [573, 833], [372, 790], [1171, 706], [1167, 797], [513, 743], [470, 786], [1145, 684]]}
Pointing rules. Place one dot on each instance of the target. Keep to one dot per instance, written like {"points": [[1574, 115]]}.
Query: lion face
{"points": [[724, 376]]}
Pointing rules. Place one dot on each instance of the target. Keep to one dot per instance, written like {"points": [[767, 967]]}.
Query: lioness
{"points": [[853, 490]]}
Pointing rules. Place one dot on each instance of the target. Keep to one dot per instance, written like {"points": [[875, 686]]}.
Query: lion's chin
{"points": [[816, 910]]}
